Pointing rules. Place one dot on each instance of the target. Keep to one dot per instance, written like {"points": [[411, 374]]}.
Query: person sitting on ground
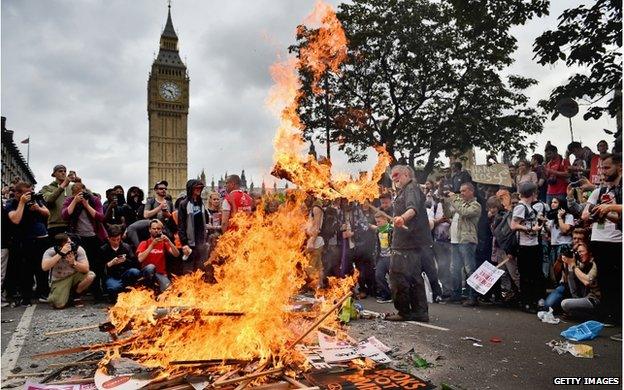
{"points": [[151, 255], [582, 277], [69, 270], [122, 268]]}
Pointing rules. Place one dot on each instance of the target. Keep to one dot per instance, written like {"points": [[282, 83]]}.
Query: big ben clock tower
{"points": [[167, 111]]}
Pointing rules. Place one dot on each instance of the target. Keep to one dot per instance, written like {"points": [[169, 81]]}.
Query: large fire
{"points": [[245, 315]]}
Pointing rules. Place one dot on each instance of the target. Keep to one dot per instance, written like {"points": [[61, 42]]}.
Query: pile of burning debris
{"points": [[243, 329]]}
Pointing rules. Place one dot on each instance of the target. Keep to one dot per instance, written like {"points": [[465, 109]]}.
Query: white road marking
{"points": [[12, 351], [424, 325]]}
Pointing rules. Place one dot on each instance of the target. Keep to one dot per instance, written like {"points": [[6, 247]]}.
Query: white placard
{"points": [[484, 277]]}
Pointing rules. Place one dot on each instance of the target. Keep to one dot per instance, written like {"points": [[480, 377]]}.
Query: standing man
{"points": [[54, 195], [160, 208], [83, 211], [235, 200], [410, 236], [192, 219], [464, 211], [557, 174], [595, 165], [604, 210], [525, 221], [151, 255], [30, 240]]}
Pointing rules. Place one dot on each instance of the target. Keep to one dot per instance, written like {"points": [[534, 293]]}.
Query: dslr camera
{"points": [[35, 198], [86, 195]]}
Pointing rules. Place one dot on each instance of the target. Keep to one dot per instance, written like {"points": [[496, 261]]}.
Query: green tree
{"points": [[423, 78], [591, 38]]}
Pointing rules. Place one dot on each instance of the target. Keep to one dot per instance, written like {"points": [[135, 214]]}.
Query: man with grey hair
{"points": [[235, 200], [410, 236]]}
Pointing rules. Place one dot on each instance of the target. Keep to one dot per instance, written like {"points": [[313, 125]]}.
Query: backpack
{"points": [[331, 224], [506, 238]]}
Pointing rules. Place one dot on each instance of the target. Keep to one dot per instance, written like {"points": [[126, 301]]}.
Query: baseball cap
{"points": [[58, 167], [162, 182]]}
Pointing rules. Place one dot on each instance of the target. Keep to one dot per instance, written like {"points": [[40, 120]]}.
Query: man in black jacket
{"points": [[122, 268], [192, 217]]}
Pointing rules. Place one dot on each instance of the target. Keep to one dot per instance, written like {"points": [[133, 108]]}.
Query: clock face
{"points": [[170, 91]]}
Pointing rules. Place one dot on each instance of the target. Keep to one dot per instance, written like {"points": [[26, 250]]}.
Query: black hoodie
{"points": [[192, 230], [136, 206]]}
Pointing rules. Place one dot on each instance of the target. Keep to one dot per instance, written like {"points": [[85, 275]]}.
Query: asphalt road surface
{"points": [[521, 360]]}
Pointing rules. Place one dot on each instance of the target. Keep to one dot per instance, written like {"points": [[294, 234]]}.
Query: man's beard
{"points": [[612, 178]]}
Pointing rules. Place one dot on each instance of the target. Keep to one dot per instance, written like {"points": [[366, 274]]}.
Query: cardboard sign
{"points": [[495, 174], [375, 379], [484, 277], [123, 374], [334, 350]]}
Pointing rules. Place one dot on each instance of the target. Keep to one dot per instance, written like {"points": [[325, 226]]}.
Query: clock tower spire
{"points": [[167, 112]]}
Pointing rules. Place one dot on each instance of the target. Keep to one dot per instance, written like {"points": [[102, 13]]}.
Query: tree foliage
{"points": [[589, 37], [423, 78]]}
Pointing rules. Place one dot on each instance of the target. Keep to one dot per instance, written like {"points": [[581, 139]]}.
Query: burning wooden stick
{"points": [[248, 377], [226, 362], [320, 320]]}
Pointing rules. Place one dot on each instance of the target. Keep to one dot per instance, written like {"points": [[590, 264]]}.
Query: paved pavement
{"points": [[520, 361]]}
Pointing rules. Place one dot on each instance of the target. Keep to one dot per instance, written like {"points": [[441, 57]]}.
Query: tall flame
{"points": [[261, 262]]}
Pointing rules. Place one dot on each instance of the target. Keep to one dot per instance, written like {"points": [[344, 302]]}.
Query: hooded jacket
{"points": [[188, 231], [136, 207]]}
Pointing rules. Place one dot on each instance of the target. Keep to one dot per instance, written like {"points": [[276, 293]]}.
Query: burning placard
{"points": [[369, 379], [484, 277]]}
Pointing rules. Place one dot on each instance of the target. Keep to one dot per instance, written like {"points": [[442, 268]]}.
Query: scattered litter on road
{"points": [[420, 362], [69, 386], [477, 345], [578, 350], [470, 338], [548, 316], [495, 339], [369, 314], [6, 321], [588, 330]]}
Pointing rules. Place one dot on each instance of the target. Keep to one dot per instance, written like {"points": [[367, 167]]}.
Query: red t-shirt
{"points": [[238, 201], [561, 184], [156, 256]]}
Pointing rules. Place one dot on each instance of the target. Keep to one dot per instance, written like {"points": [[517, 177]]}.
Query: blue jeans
{"points": [[149, 273], [115, 286], [381, 270], [555, 297], [463, 257]]}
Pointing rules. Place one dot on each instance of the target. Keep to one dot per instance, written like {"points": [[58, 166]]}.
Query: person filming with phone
{"points": [[122, 268]]}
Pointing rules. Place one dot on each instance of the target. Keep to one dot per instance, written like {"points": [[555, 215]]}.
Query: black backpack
{"points": [[506, 239], [331, 224]]}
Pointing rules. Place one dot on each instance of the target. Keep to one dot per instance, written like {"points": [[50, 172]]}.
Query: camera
{"points": [[86, 195], [159, 235], [120, 198], [576, 184], [35, 198]]}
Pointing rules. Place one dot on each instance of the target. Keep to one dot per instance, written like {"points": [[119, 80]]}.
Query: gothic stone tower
{"points": [[167, 111]]}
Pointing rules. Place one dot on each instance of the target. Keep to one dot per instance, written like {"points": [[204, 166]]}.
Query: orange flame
{"points": [[262, 260]]}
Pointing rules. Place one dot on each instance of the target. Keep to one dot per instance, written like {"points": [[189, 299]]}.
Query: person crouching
{"points": [[69, 269]]}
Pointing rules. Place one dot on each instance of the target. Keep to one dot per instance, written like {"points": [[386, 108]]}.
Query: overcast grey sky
{"points": [[74, 78]]}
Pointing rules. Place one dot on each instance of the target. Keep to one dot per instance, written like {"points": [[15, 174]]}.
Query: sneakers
{"points": [[43, 299], [384, 300]]}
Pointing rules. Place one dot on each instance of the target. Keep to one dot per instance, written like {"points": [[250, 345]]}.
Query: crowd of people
{"points": [[556, 232]]}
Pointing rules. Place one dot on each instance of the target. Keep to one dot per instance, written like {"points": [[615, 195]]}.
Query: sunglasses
{"points": [[161, 188]]}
